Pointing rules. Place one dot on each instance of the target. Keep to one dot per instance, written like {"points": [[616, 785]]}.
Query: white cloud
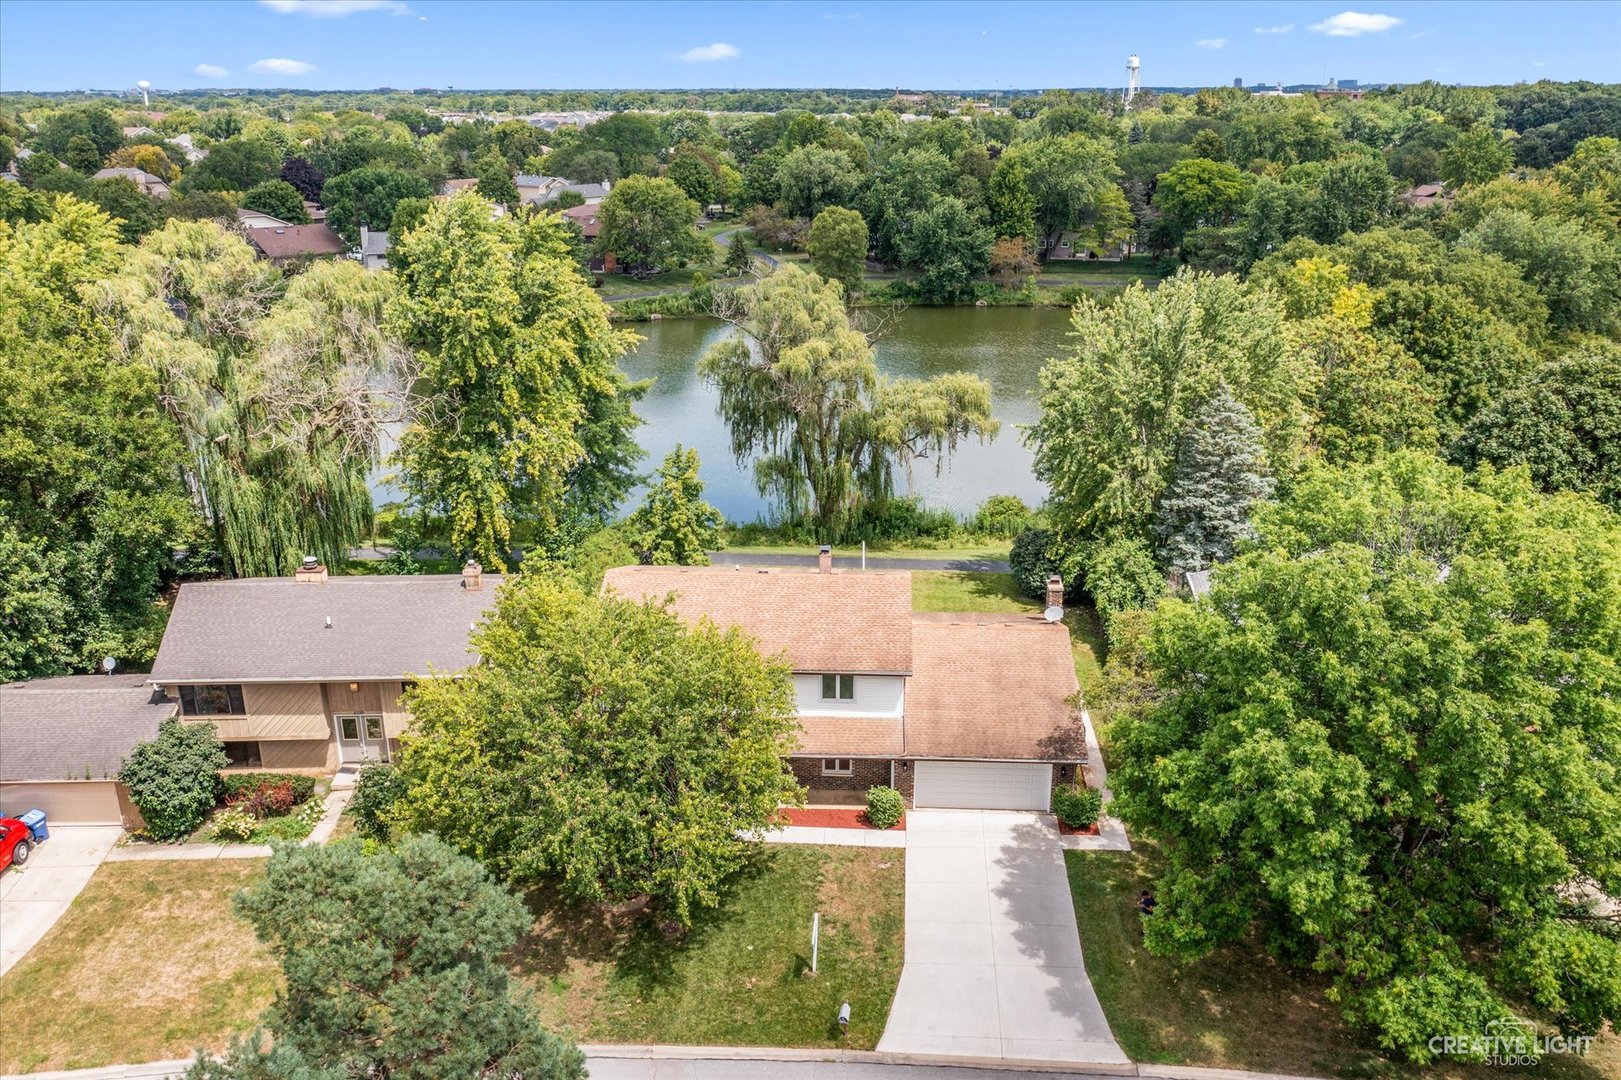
{"points": [[1539, 63], [210, 71], [704, 54], [1284, 29], [1211, 43], [1355, 24], [278, 65], [335, 9]]}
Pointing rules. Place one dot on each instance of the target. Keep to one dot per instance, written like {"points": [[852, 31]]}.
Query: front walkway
{"points": [[34, 896], [993, 958]]}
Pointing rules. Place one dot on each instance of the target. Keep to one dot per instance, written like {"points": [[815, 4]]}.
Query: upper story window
{"points": [[212, 701], [838, 687]]}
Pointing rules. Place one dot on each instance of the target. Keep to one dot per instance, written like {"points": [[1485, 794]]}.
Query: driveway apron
{"points": [[993, 959], [33, 897]]}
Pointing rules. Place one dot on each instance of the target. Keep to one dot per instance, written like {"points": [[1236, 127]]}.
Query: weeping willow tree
{"points": [[801, 393], [280, 388]]}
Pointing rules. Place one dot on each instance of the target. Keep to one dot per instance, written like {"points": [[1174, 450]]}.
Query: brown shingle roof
{"points": [[62, 729], [842, 736], [292, 241], [274, 629], [586, 218], [854, 622], [992, 687]]}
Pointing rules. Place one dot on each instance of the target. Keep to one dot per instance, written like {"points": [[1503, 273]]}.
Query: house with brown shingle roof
{"points": [[963, 710], [290, 243]]}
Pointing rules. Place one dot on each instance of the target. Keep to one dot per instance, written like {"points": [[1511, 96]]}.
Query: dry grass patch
{"points": [[149, 963], [739, 976]]}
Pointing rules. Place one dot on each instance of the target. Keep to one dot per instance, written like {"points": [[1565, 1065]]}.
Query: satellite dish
{"points": [[108, 664], [1053, 614]]}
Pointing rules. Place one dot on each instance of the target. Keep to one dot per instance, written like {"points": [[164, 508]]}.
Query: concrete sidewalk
{"points": [[34, 896], [993, 957], [809, 834]]}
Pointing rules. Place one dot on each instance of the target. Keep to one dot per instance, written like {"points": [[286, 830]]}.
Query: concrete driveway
{"points": [[993, 959], [34, 897]]}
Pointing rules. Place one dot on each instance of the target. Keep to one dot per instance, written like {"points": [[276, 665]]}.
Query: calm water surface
{"points": [[1008, 346]]}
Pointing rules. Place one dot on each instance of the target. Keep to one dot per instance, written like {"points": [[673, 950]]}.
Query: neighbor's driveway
{"points": [[993, 959], [33, 898]]}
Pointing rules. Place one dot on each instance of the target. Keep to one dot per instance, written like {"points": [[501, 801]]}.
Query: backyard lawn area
{"points": [[968, 590], [148, 964], [1236, 1009], [739, 977], [988, 550]]}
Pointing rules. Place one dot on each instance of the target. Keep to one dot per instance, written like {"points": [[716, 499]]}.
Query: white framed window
{"points": [[838, 687], [836, 766]]}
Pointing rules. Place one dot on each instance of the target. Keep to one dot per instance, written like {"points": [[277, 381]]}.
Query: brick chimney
{"points": [[310, 572], [824, 559], [1055, 591], [472, 575]]}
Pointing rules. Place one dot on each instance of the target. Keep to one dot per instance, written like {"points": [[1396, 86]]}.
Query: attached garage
{"points": [[70, 802], [983, 785]]}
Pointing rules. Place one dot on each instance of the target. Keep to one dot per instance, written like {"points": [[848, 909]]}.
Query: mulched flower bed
{"points": [[831, 817], [1090, 830]]}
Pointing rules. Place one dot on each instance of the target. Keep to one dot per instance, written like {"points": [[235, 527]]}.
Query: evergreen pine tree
{"points": [[674, 526], [1137, 134], [1220, 474], [738, 256]]}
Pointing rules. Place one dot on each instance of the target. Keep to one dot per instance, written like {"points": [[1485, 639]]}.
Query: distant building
{"points": [[374, 249], [154, 186], [294, 242], [253, 219], [1424, 194], [1238, 84]]}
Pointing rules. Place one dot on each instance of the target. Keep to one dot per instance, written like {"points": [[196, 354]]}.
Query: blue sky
{"points": [[360, 44]]}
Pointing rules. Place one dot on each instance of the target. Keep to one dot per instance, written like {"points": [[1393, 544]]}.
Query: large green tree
{"points": [[674, 526], [1386, 745], [1012, 207], [649, 224], [520, 413], [1113, 409], [1219, 475], [801, 393], [394, 963], [1562, 421], [1197, 192], [948, 247], [603, 745], [1072, 179], [91, 497], [279, 199], [368, 196], [837, 245], [811, 178], [280, 389]]}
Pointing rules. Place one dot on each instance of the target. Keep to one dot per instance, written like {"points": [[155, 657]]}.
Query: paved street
{"points": [[34, 897], [993, 959]]}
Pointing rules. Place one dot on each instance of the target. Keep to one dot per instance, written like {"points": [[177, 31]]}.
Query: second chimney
{"points": [[824, 559], [472, 575], [310, 571], [1055, 591]]}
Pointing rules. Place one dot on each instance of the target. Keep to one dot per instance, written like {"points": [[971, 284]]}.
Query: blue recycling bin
{"points": [[35, 820]]}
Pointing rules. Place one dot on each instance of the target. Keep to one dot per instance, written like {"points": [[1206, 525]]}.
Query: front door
{"points": [[360, 738]]}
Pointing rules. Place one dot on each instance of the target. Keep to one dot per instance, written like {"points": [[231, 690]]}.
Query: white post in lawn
{"points": [[863, 554], [816, 938]]}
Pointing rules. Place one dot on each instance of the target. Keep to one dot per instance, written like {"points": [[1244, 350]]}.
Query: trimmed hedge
{"points": [[884, 806], [1077, 806], [240, 787], [378, 789], [173, 778]]}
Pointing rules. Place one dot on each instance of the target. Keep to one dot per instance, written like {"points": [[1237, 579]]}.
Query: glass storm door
{"points": [[360, 738]]}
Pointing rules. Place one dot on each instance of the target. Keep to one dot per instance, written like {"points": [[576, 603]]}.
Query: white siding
{"points": [[983, 785], [876, 695]]}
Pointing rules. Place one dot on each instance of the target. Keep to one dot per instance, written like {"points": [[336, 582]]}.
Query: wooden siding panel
{"points": [[302, 754], [66, 802], [283, 711]]}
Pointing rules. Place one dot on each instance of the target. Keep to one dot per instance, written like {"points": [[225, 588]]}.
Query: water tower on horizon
{"points": [[1133, 76]]}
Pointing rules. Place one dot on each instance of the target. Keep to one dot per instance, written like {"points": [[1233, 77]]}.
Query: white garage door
{"points": [[983, 785]]}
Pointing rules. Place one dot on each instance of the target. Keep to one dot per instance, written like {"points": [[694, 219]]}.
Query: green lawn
{"points": [[740, 976], [1235, 1009], [1136, 266]]}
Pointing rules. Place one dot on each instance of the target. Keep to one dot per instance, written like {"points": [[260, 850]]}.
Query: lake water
{"points": [[1008, 346]]}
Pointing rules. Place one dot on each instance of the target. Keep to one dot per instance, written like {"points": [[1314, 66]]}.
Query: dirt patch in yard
{"points": [[833, 817]]}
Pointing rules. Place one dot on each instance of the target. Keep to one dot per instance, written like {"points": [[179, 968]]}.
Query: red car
{"points": [[16, 843]]}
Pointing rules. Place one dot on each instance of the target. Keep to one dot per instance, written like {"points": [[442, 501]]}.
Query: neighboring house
{"points": [[314, 211], [136, 132], [969, 710], [306, 672], [544, 189], [456, 187], [193, 153], [289, 243], [62, 742], [374, 248], [253, 219], [1070, 245], [1424, 194], [154, 186], [590, 224]]}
